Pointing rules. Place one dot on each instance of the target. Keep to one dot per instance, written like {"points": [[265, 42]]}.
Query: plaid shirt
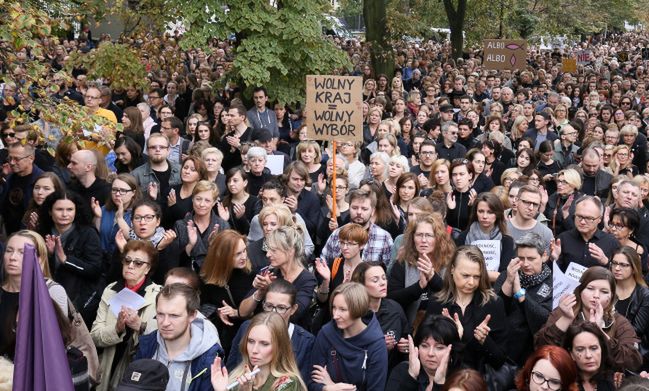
{"points": [[378, 247]]}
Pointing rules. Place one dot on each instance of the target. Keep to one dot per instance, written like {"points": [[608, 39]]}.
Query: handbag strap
{"points": [[227, 289]]}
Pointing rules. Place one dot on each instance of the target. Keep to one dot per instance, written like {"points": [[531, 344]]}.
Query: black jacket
{"points": [[526, 318], [553, 211], [637, 313], [81, 274]]}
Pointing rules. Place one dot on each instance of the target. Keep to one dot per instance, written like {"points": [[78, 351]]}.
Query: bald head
{"points": [[86, 157]]}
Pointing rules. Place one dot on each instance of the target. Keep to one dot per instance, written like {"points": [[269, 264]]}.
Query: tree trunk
{"points": [[456, 25], [374, 15]]}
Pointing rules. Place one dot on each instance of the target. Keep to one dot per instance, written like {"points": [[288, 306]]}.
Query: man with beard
{"points": [[362, 205], [595, 181], [157, 175]]}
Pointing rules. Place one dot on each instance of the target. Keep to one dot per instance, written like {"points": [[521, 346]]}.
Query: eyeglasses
{"points": [[424, 235], [561, 182], [586, 219], [9, 135], [620, 265], [348, 244], [136, 262], [154, 97], [145, 218], [158, 147], [615, 227], [280, 309], [553, 384], [528, 204], [119, 191], [16, 159]]}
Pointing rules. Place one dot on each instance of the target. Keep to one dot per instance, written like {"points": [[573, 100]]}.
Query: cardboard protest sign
{"points": [[491, 252], [569, 65], [505, 54], [334, 107]]}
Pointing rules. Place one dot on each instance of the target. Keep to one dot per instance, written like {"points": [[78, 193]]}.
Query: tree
{"points": [[277, 45], [376, 34], [455, 15]]}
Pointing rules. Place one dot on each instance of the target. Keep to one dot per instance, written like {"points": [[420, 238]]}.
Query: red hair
{"points": [[466, 380], [559, 358]]}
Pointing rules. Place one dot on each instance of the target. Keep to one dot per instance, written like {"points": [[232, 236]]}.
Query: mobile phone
{"points": [[265, 269]]}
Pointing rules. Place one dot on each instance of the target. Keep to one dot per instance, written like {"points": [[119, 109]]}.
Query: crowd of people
{"points": [[473, 195]]}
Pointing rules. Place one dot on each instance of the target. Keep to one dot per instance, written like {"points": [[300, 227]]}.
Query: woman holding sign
{"points": [[593, 301], [486, 226], [117, 330]]}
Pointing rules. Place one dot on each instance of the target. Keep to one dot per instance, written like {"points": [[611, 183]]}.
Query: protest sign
{"points": [[505, 54], [491, 252], [569, 65], [334, 108], [584, 57], [564, 283]]}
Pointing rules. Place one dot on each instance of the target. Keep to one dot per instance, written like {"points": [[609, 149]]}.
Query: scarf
{"points": [[155, 239], [475, 234], [535, 279]]}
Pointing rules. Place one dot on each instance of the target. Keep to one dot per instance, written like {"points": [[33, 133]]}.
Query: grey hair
{"points": [[447, 125], [531, 240], [383, 156], [144, 107], [594, 200], [256, 152], [288, 238]]}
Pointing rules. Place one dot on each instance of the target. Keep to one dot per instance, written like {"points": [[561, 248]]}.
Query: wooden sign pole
{"points": [[333, 184]]}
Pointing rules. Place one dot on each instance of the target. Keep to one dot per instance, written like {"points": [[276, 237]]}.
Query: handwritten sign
{"points": [[505, 54], [491, 252], [569, 65], [565, 283], [334, 108], [584, 57]]}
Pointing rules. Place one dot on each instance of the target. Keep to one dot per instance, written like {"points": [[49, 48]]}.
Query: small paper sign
{"points": [[491, 252], [125, 298], [565, 283]]}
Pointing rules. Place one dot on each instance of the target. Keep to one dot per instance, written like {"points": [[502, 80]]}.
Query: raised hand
{"points": [[171, 198], [226, 312], [223, 212], [192, 233], [513, 268], [32, 223], [472, 196], [566, 305], [219, 375], [482, 331], [456, 319], [414, 365], [442, 368], [555, 249], [168, 237], [450, 201], [153, 190], [120, 241], [96, 208], [323, 269], [239, 210]]}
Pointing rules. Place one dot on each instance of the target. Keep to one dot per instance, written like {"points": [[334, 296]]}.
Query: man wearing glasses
{"points": [[449, 148], [528, 203], [93, 100], [18, 187], [586, 244], [155, 101], [158, 174]]}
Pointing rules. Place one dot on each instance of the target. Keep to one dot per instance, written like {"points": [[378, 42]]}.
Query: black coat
{"points": [[553, 211], [81, 274]]}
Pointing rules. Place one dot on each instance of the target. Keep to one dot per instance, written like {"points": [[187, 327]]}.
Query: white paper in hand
{"points": [[125, 298]]}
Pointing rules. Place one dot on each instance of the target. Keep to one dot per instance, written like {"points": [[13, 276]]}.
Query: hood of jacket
{"points": [[353, 352], [202, 339]]}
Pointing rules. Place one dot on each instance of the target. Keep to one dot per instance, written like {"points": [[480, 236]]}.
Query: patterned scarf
{"points": [[535, 279], [155, 239]]}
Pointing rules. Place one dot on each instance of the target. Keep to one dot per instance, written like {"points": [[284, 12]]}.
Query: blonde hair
{"points": [[205, 185], [283, 213], [41, 249], [571, 176], [283, 360], [449, 291], [356, 298], [286, 239]]}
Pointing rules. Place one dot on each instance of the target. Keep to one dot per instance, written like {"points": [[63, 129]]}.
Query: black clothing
{"points": [[99, 190], [507, 252], [575, 249], [483, 183], [456, 151]]}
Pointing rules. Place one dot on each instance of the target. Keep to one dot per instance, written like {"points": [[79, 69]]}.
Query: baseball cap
{"points": [[445, 108]]}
